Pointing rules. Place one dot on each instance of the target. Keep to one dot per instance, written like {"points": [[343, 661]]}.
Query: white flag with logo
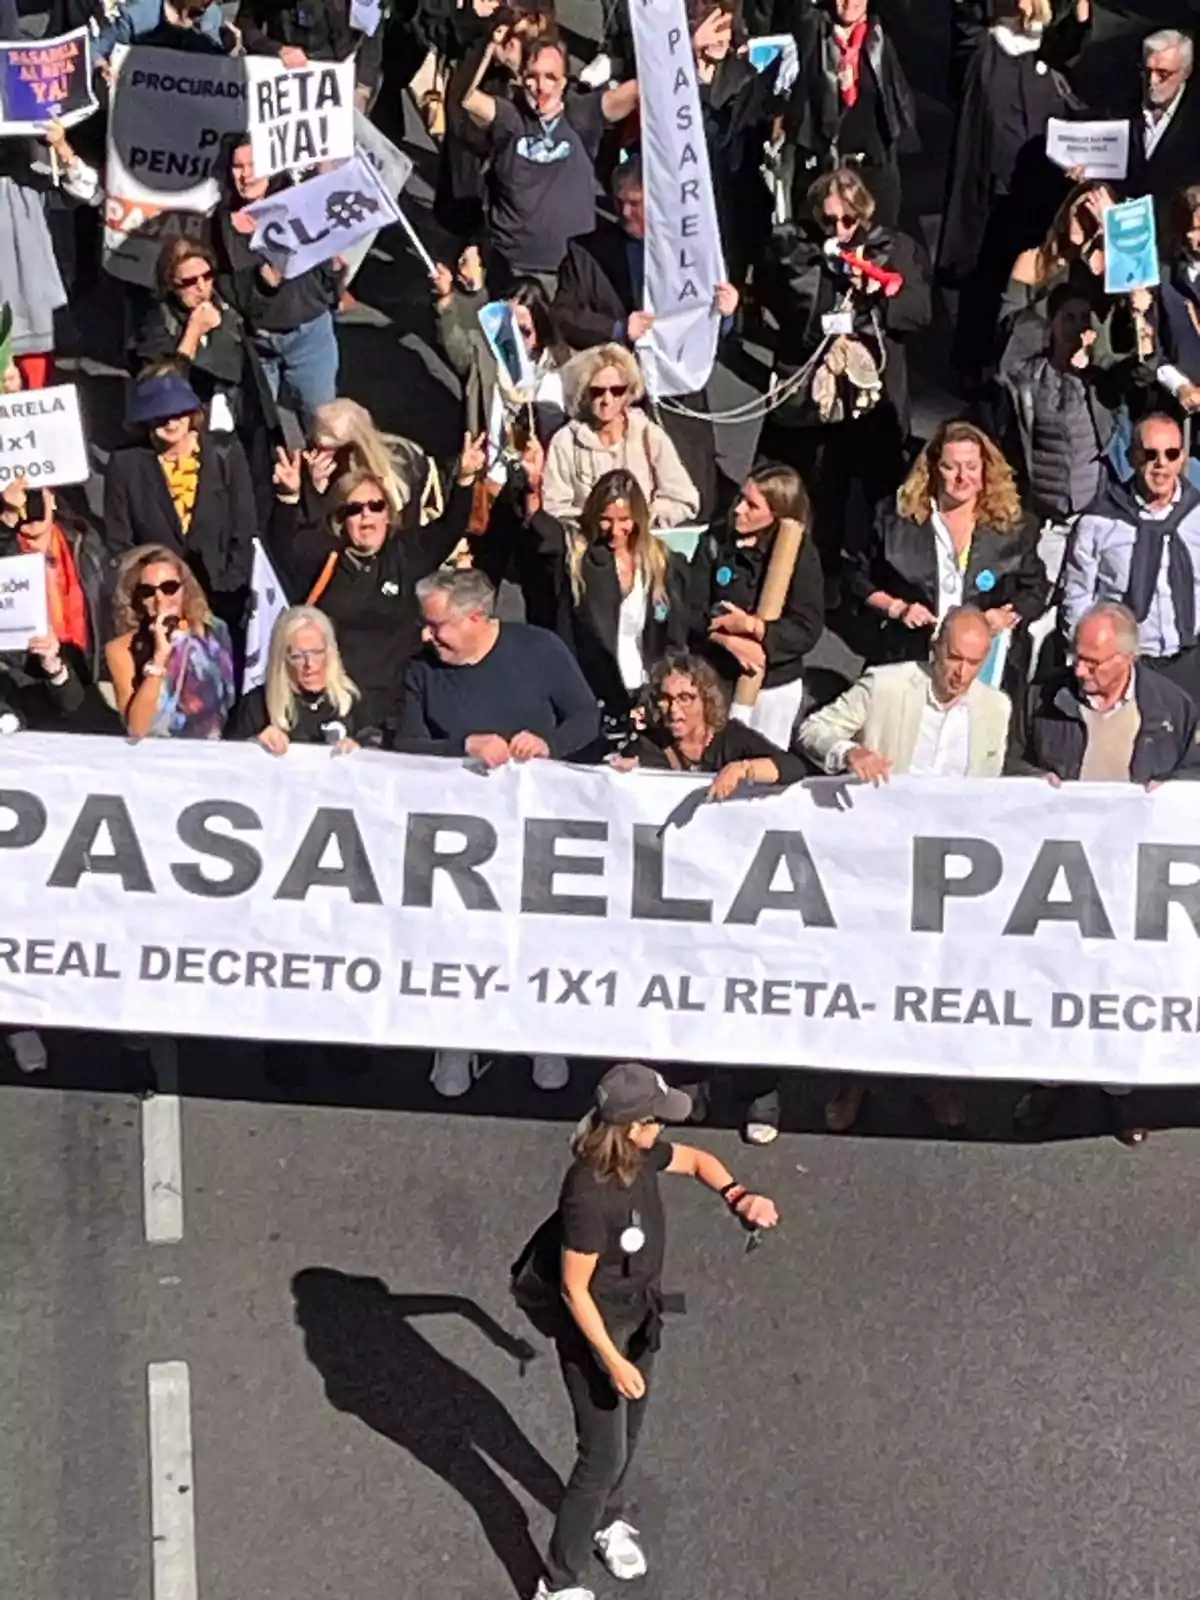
{"points": [[314, 221], [684, 263], [268, 603]]}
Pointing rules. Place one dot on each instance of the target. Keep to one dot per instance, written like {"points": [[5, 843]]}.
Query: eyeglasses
{"points": [[686, 697], [1171, 453], [190, 283], [359, 508], [599, 390], [168, 587], [301, 658]]}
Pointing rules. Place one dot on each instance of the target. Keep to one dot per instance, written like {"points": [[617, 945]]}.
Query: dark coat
{"points": [[321, 28], [589, 625], [1165, 746], [218, 546], [800, 284], [596, 292], [723, 571], [738, 107], [1174, 164], [372, 604], [980, 163], [96, 574], [220, 361], [899, 557], [815, 110]]}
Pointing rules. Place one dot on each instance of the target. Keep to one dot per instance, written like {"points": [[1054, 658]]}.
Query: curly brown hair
{"points": [[128, 615], [702, 677], [999, 504]]}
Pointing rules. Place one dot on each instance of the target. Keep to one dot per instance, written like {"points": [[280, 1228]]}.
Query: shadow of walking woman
{"points": [[376, 1366]]}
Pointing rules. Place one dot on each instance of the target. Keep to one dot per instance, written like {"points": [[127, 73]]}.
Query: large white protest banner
{"points": [[170, 111], [301, 226], [41, 437], [684, 263], [24, 607], [301, 115], [971, 928]]}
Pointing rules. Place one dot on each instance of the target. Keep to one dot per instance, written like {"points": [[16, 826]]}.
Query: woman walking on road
{"points": [[603, 1251]]}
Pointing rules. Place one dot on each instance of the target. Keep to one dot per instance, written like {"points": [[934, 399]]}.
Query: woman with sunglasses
{"points": [[189, 322], [307, 697], [171, 661], [79, 571], [361, 566], [343, 438], [184, 488], [591, 1278], [609, 433]]}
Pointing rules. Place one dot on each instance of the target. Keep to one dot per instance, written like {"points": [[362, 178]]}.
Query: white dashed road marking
{"points": [[162, 1168], [172, 1491]]}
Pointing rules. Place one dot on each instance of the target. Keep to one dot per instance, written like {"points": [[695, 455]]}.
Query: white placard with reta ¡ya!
{"points": [[299, 116], [24, 609], [41, 437]]}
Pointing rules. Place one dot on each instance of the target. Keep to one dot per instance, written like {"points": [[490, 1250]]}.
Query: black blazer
{"points": [[595, 290], [900, 557], [218, 546], [588, 626]]}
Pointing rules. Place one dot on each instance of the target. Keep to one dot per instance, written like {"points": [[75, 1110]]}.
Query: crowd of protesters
{"points": [[582, 582]]}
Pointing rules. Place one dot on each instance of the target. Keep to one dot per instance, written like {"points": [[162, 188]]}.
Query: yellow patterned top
{"points": [[183, 478]]}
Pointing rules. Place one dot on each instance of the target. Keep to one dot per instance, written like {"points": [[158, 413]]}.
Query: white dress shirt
{"points": [[1154, 127], [631, 620], [943, 747], [950, 575]]}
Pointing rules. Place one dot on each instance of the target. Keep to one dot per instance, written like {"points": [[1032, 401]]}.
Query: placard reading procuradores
{"points": [[986, 929], [41, 437]]}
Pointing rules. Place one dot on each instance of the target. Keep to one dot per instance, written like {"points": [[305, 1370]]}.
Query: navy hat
{"points": [[631, 1092], [156, 399]]}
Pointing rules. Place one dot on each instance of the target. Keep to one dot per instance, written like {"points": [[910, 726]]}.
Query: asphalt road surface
{"points": [[962, 1370]]}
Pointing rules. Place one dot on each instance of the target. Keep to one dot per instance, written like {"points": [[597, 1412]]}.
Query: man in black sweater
{"points": [[493, 691]]}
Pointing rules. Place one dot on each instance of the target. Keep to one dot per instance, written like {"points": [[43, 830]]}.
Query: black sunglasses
{"points": [[1171, 453], [168, 587], [190, 283], [599, 390], [356, 508]]}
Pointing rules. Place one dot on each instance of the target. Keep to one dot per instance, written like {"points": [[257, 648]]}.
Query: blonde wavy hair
{"points": [[279, 691], [648, 552], [128, 615], [345, 425], [999, 503], [579, 374]]}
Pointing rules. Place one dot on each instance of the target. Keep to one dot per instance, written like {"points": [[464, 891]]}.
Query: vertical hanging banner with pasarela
{"points": [[299, 116], [684, 262]]}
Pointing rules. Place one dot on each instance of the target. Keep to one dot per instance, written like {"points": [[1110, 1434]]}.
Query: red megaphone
{"points": [[890, 282]]}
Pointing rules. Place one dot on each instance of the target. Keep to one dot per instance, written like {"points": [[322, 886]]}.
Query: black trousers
{"points": [[606, 1435]]}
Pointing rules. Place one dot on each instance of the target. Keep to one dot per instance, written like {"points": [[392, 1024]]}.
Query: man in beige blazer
{"points": [[927, 719]]}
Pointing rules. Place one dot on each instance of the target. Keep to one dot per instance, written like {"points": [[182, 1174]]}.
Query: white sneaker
{"points": [[551, 1072], [453, 1071], [28, 1050], [618, 1548], [576, 1592]]}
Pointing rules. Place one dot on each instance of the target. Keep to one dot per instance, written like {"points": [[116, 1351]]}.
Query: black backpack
{"points": [[535, 1279]]}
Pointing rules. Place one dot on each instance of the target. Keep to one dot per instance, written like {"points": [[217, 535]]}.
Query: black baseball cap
{"points": [[631, 1092]]}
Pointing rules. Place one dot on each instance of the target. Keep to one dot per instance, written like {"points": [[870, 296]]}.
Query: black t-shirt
{"points": [[543, 180], [595, 1215]]}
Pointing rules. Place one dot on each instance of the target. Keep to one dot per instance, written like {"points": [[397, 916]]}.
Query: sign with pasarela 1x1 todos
{"points": [[41, 437]]}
